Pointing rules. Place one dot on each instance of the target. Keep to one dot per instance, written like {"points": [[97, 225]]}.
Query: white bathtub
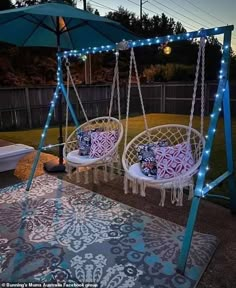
{"points": [[10, 155]]}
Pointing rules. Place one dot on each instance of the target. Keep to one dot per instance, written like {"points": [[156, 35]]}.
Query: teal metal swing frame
{"points": [[222, 98]]}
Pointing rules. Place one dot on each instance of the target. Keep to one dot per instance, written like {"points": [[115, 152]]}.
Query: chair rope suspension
{"points": [[179, 138], [109, 130]]}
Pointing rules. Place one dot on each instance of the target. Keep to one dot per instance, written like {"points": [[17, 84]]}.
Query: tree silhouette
{"points": [[23, 3], [179, 65], [6, 4]]}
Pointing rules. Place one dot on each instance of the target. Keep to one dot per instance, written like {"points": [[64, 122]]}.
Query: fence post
{"points": [[28, 107], [40, 106]]}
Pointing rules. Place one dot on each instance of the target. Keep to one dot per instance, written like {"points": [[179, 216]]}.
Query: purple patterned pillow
{"points": [[102, 143], [173, 161]]}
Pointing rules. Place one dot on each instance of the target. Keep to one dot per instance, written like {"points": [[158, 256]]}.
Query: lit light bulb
{"points": [[167, 50], [84, 58]]}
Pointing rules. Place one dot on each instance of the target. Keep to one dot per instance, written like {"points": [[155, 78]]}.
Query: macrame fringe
{"points": [[163, 197], [130, 185], [190, 193], [176, 189], [173, 194], [108, 173], [142, 188], [69, 171], [67, 168], [86, 176], [179, 197], [118, 167], [135, 187], [111, 172], [105, 173], [126, 184], [77, 175], [95, 175]]}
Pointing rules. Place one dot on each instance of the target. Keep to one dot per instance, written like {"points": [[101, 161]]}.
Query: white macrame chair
{"points": [[173, 134], [110, 160]]}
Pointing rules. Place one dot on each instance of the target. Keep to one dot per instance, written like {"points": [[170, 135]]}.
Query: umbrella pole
{"points": [[60, 138], [58, 165]]}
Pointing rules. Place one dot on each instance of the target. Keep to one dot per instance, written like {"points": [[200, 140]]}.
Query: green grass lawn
{"points": [[136, 125]]}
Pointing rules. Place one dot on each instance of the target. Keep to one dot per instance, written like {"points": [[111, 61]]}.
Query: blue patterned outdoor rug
{"points": [[61, 233]]}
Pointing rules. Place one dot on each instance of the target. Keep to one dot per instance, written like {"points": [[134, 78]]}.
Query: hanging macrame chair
{"points": [[109, 158], [173, 135]]}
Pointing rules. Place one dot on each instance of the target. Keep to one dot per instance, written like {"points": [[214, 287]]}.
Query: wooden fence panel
{"points": [[95, 100], [13, 114], [40, 99], [152, 98], [11, 98], [23, 108]]}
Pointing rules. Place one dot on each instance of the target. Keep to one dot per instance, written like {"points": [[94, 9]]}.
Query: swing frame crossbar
{"points": [[222, 98]]}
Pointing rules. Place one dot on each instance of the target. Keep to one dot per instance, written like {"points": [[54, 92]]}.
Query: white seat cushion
{"points": [[136, 172], [74, 157]]}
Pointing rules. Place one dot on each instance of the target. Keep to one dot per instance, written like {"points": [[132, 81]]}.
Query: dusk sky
{"points": [[193, 14]]}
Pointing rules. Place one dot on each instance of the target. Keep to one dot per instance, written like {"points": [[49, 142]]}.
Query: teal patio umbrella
{"points": [[60, 25], [56, 24]]}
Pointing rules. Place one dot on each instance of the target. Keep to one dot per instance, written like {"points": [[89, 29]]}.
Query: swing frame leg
{"points": [[222, 96], [229, 149], [42, 140], [60, 88], [182, 260]]}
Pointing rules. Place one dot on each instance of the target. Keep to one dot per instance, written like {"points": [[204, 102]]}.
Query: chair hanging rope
{"points": [[115, 82], [69, 77], [201, 56], [133, 62]]}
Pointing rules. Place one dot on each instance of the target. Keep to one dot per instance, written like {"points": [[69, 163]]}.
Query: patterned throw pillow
{"points": [[84, 141], [147, 158], [102, 143], [173, 161]]}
